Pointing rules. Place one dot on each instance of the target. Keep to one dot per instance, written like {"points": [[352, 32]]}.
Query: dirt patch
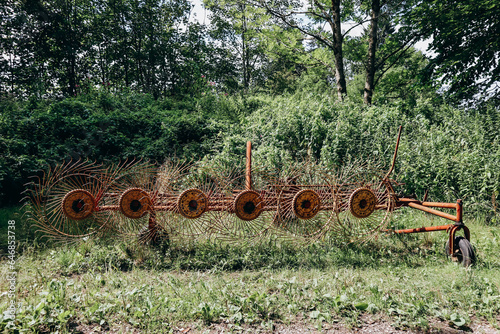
{"points": [[369, 325]]}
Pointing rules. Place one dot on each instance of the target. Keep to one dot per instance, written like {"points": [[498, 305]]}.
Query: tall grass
{"points": [[451, 152], [406, 279]]}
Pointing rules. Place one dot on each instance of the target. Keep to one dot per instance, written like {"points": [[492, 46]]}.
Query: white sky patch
{"points": [[423, 46], [199, 13], [355, 31]]}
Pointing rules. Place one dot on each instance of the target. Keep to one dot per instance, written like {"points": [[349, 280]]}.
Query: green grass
{"points": [[406, 280]]}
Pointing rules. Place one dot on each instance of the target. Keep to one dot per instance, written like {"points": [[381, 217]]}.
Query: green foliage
{"points": [[236, 24], [99, 126], [65, 48], [402, 83], [453, 153], [406, 279], [467, 49]]}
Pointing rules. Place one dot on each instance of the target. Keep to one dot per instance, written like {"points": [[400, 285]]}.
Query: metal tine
{"points": [[121, 178], [45, 200], [298, 178], [175, 178], [354, 176], [225, 226], [325, 197]]}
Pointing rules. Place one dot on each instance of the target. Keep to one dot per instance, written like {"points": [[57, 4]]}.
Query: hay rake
{"points": [[139, 201]]}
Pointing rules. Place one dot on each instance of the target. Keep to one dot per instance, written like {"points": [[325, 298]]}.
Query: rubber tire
{"points": [[464, 251]]}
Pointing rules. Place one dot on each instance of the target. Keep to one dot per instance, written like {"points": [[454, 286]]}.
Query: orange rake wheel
{"points": [[130, 200], [64, 202], [364, 203], [244, 215], [248, 205], [187, 192], [304, 203], [78, 204], [135, 203], [192, 203]]}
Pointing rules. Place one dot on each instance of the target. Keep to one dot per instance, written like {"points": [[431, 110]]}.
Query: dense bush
{"points": [[103, 127], [453, 153]]}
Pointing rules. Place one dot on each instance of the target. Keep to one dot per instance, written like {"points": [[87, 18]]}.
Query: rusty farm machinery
{"points": [[305, 202]]}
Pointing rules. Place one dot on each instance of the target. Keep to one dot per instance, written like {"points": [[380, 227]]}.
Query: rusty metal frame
{"points": [[428, 208], [337, 197]]}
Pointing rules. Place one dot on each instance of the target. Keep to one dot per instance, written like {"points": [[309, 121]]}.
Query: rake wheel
{"points": [[243, 215], [303, 209], [135, 203], [306, 204], [131, 192], [192, 203], [364, 203], [78, 204], [248, 205], [192, 198], [64, 202]]}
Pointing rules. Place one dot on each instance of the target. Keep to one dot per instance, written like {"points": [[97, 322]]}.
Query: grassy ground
{"points": [[404, 281]]}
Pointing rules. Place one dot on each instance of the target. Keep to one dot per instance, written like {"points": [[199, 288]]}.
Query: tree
{"points": [[465, 39], [378, 49], [237, 25], [386, 44], [401, 83], [317, 14], [54, 47], [57, 39]]}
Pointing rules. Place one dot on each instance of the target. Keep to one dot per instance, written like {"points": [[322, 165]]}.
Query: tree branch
{"points": [[406, 45], [354, 26], [390, 66], [284, 19]]}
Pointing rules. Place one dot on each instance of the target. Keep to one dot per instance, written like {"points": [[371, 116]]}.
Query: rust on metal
{"points": [[248, 205], [78, 204], [248, 183], [134, 203], [424, 229], [395, 154], [362, 202], [302, 202], [192, 203], [459, 212], [433, 211], [306, 204]]}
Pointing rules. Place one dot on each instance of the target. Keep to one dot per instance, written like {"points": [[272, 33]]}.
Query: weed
{"points": [[407, 278]]}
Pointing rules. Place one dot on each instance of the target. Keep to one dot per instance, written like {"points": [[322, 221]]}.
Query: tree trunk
{"points": [[72, 75], [337, 51], [245, 62], [372, 49], [127, 81], [12, 72]]}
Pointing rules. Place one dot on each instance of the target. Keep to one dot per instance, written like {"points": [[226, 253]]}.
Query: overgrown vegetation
{"points": [[143, 80], [453, 153], [110, 81], [406, 280]]}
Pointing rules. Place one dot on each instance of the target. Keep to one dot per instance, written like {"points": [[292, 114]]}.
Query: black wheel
{"points": [[463, 251]]}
